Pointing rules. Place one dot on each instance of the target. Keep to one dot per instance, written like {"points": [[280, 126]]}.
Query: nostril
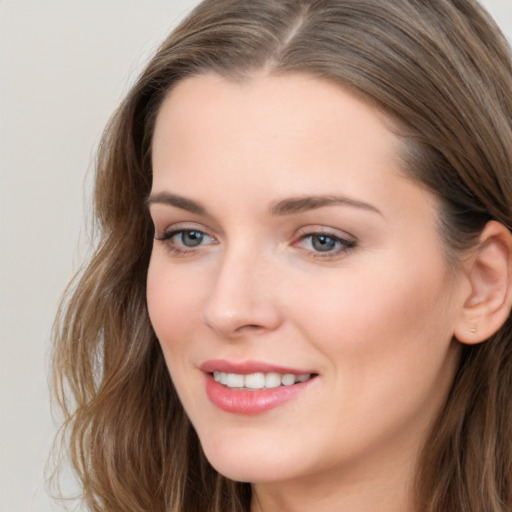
{"points": [[249, 328]]}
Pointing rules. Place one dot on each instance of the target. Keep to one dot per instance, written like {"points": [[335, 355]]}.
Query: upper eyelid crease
{"points": [[171, 232], [283, 207]]}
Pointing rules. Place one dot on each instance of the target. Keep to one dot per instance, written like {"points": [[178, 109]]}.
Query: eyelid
{"points": [[167, 235], [181, 226], [173, 232], [346, 241], [315, 229]]}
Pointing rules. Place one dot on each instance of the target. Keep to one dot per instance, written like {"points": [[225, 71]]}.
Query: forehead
{"points": [[271, 99], [209, 122]]}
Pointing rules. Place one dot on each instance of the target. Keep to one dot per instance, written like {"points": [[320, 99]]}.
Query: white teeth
{"points": [[288, 379], [235, 380], [255, 381], [272, 380], [220, 377]]}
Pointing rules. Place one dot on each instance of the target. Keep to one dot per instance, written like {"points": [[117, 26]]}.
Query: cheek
{"points": [[387, 349], [173, 310], [369, 327], [172, 302]]}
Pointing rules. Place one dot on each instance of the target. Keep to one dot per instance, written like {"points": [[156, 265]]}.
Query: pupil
{"points": [[323, 243], [192, 238]]}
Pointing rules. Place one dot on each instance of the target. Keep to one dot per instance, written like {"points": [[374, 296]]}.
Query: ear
{"points": [[489, 270]]}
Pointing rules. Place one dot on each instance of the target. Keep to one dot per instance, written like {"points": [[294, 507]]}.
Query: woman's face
{"points": [[297, 282]]}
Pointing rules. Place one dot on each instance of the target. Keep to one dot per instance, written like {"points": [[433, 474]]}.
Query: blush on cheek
{"points": [[389, 311]]}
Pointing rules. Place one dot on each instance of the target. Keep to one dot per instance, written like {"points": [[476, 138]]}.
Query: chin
{"points": [[244, 471], [249, 462]]}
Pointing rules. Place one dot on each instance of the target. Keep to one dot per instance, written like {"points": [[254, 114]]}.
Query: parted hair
{"points": [[442, 70]]}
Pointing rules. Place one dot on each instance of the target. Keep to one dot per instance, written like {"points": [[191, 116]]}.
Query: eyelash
{"points": [[167, 237], [343, 246]]}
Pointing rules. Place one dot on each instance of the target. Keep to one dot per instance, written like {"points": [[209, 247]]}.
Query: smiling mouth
{"points": [[258, 381]]}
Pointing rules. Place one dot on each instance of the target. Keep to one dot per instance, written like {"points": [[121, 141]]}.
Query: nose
{"points": [[243, 298]]}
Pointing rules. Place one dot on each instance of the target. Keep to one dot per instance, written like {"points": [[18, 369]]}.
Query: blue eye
{"points": [[183, 241], [323, 244], [190, 238]]}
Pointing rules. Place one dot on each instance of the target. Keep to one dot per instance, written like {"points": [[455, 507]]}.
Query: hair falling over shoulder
{"points": [[443, 71]]}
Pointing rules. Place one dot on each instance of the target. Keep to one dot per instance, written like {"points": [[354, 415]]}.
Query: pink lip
{"points": [[249, 402], [246, 367]]}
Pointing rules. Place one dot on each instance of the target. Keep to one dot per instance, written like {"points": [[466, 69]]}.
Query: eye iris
{"points": [[192, 238], [323, 243]]}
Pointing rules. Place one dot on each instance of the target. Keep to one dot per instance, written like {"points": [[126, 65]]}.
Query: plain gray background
{"points": [[64, 67]]}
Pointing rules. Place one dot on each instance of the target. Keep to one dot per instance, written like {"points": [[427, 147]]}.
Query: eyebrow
{"points": [[178, 201], [301, 204], [283, 207]]}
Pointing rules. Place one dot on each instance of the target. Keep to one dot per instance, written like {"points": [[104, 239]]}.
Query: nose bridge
{"points": [[241, 297]]}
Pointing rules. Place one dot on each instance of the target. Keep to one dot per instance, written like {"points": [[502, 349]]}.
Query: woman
{"points": [[303, 210]]}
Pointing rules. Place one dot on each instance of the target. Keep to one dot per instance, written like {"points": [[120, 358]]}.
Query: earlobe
{"points": [[489, 270]]}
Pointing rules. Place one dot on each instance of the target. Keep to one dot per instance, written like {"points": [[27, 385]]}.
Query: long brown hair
{"points": [[442, 70]]}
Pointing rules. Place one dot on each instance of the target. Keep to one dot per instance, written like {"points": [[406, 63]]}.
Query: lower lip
{"points": [[238, 401]]}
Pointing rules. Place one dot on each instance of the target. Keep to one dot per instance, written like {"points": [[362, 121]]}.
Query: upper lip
{"points": [[247, 367]]}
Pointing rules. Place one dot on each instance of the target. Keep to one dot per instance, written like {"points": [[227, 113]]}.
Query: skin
{"points": [[373, 320]]}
